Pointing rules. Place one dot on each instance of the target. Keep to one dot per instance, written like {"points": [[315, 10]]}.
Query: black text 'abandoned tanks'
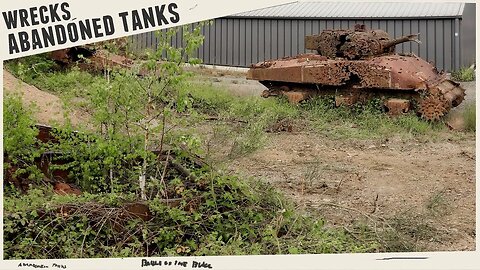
{"points": [[356, 66]]}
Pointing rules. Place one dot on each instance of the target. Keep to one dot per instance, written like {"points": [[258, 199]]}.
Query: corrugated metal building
{"points": [[447, 31]]}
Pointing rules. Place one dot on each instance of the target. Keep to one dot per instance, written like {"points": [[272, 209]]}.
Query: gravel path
{"points": [[470, 92]]}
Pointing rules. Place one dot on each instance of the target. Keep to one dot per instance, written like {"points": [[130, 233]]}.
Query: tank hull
{"points": [[401, 80]]}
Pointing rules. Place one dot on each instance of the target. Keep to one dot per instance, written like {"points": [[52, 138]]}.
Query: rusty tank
{"points": [[356, 66]]}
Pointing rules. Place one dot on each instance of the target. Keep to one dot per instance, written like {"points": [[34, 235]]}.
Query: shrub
{"points": [[464, 74], [469, 117], [31, 68], [19, 141], [230, 216]]}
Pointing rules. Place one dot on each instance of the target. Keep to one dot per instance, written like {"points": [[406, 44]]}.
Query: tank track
{"points": [[431, 104], [440, 99]]}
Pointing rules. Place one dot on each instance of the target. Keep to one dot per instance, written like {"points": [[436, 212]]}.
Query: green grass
{"points": [[46, 75], [464, 75], [215, 101], [364, 122], [437, 204], [320, 115], [254, 114], [469, 116]]}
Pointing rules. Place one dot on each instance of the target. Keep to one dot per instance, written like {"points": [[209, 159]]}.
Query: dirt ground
{"points": [[397, 180], [429, 185]]}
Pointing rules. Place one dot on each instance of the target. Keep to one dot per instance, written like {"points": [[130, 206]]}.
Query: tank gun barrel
{"points": [[403, 39]]}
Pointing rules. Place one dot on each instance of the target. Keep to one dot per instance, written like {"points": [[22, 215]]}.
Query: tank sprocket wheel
{"points": [[433, 108]]}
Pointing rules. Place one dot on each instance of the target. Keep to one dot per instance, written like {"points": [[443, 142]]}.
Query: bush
{"points": [[19, 133], [19, 142], [230, 216], [464, 75], [31, 68], [469, 117]]}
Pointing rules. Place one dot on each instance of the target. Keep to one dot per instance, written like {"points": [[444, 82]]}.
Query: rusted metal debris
{"points": [[90, 59], [61, 188], [48, 163], [397, 106], [356, 66]]}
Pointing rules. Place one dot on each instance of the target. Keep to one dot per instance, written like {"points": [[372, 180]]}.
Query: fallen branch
{"points": [[216, 118], [182, 170]]}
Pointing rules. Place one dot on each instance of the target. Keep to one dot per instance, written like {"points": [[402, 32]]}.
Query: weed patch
{"points": [[363, 121], [437, 205], [254, 114], [469, 117], [465, 74], [232, 217]]}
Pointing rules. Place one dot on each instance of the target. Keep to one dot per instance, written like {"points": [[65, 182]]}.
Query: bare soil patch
{"points": [[421, 183], [48, 107]]}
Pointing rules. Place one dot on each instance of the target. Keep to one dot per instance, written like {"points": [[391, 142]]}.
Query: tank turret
{"points": [[354, 44]]}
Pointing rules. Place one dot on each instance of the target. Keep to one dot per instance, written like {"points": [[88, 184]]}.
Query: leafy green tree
{"points": [[19, 139], [132, 108]]}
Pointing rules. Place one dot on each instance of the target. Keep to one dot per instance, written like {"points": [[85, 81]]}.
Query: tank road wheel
{"points": [[396, 106], [294, 96], [433, 108]]}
